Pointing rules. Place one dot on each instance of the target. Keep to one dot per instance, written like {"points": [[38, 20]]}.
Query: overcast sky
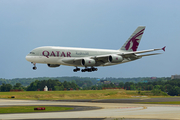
{"points": [[104, 24]]}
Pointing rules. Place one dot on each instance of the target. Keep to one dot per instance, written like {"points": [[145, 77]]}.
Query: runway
{"points": [[98, 111]]}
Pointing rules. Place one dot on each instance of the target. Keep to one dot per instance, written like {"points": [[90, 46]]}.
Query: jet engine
{"points": [[115, 58], [88, 62], [53, 65]]}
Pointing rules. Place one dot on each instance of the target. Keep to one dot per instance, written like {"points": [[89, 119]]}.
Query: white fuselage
{"points": [[56, 55]]}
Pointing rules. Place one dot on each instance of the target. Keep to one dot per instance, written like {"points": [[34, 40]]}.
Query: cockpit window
{"points": [[32, 53]]}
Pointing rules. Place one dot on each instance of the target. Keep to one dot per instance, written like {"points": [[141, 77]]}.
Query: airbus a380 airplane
{"points": [[90, 58]]}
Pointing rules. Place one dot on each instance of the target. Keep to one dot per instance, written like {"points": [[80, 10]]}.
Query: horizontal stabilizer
{"points": [[149, 54], [143, 51]]}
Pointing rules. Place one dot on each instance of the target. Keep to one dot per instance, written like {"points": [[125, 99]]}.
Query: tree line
{"points": [[81, 81], [9, 87], [54, 85], [37, 85], [171, 87]]}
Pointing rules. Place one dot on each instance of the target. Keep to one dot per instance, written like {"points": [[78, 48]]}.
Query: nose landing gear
{"points": [[34, 68]]}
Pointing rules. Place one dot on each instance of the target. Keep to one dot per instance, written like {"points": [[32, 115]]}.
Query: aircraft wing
{"points": [[78, 61], [102, 59]]}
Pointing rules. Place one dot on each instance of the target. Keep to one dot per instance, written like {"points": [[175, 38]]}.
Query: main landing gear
{"points": [[86, 69], [77, 69], [89, 69], [34, 68]]}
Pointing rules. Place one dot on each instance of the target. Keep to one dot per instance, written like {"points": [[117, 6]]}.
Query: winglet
{"points": [[164, 48]]}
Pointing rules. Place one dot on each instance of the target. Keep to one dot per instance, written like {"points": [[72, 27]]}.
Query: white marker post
{"points": [[45, 88]]}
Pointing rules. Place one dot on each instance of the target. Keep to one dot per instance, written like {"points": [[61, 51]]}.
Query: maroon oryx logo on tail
{"points": [[134, 41]]}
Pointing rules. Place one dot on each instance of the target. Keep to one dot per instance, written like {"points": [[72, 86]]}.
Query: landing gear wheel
{"points": [[82, 70], [74, 70], [95, 69], [34, 68], [77, 69], [92, 69], [89, 70]]}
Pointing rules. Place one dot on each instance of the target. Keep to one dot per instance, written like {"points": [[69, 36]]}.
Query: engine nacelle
{"points": [[88, 62], [115, 58], [53, 65]]}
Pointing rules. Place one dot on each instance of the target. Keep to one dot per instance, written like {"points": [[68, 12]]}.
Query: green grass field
{"points": [[25, 109], [79, 94]]}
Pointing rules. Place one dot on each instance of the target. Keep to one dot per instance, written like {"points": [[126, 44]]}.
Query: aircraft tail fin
{"points": [[133, 42]]}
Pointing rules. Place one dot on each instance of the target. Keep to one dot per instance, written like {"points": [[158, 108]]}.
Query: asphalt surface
{"points": [[136, 100], [70, 119], [106, 109], [95, 119]]}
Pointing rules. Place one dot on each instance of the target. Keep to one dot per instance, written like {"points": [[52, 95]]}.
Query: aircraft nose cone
{"points": [[27, 57]]}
